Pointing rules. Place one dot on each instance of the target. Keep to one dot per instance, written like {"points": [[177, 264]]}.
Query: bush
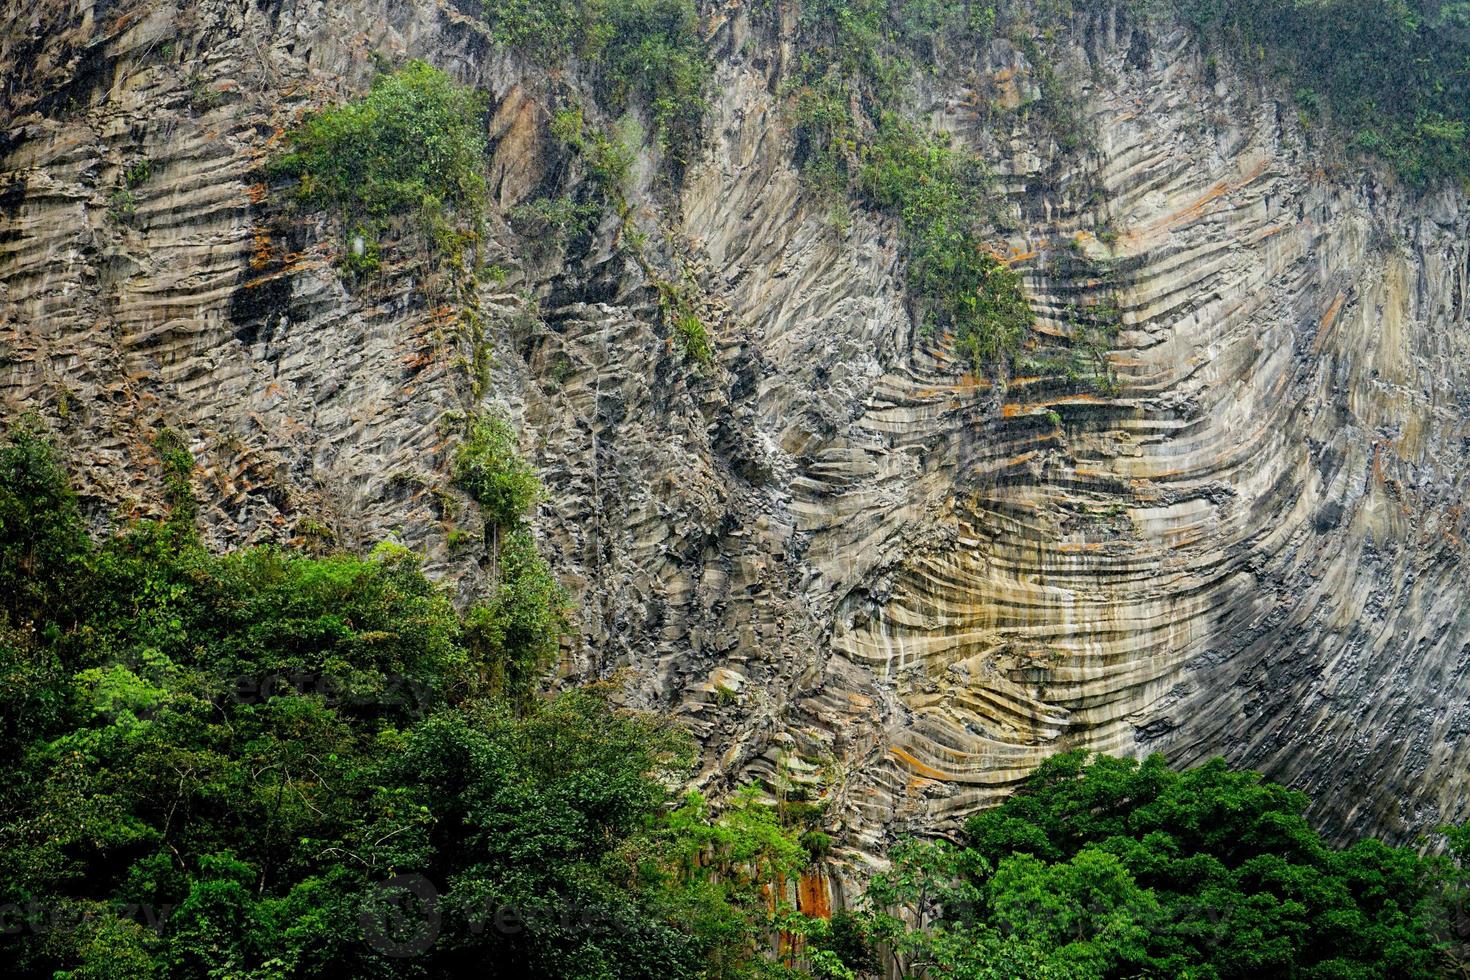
{"points": [[694, 336], [488, 466], [1104, 867], [816, 845], [178, 479], [515, 636], [414, 139], [42, 536], [608, 160], [555, 218], [122, 205], [939, 197]]}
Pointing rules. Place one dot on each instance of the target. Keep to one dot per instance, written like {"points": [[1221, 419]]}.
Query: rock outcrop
{"points": [[838, 556]]}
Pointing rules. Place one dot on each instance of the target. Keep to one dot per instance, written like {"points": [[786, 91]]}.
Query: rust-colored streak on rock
{"points": [[921, 768], [1328, 321], [813, 895]]}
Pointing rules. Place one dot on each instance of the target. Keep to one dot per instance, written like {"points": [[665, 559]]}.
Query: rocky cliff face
{"points": [[834, 553]]}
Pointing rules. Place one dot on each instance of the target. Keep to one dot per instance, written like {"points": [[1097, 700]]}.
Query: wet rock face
{"points": [[834, 553]]}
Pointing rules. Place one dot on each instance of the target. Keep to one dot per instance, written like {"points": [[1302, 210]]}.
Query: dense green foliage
{"points": [[513, 637], [489, 467], [414, 145], [1114, 868], [639, 53], [1392, 75], [939, 197], [263, 765], [415, 137], [40, 536]]}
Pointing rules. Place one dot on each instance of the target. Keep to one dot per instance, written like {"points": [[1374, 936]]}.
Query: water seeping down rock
{"points": [[836, 552]]}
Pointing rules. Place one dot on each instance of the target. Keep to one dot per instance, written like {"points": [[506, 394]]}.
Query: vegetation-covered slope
{"points": [[268, 764], [1391, 78], [1115, 868]]}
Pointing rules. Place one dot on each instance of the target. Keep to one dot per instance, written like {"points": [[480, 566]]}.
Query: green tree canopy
{"points": [[263, 765], [1103, 867]]}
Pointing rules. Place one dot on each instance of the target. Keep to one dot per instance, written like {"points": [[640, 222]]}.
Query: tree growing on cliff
{"points": [[415, 136], [489, 467]]}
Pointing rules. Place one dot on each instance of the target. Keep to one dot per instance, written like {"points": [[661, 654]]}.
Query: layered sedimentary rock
{"points": [[837, 554]]}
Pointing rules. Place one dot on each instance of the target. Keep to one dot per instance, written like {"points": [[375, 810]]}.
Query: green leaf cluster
{"points": [[414, 146], [678, 304], [939, 196], [513, 638], [852, 143], [416, 137], [489, 467]]}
